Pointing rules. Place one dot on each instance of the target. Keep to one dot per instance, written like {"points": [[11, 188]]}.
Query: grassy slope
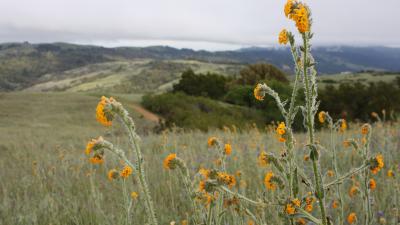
{"points": [[365, 78], [127, 76], [45, 178]]}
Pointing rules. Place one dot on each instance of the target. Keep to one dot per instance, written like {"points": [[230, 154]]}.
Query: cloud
{"points": [[210, 24]]}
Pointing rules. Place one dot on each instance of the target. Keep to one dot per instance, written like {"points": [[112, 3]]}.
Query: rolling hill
{"points": [[63, 66]]}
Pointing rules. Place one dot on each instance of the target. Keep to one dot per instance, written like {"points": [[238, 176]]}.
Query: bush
{"points": [[208, 85], [253, 74], [357, 101], [199, 112]]}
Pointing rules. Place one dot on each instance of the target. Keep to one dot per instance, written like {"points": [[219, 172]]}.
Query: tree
{"points": [[252, 74], [207, 85]]}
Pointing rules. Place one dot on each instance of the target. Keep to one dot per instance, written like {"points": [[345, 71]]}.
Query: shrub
{"points": [[252, 74], [208, 85], [199, 112], [358, 101]]}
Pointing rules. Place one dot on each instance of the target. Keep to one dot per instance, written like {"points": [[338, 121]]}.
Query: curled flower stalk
{"points": [[171, 162], [106, 111]]}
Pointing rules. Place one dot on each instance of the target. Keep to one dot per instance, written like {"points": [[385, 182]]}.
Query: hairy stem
{"points": [[310, 124]]}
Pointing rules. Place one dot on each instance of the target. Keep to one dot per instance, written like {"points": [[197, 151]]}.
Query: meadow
{"points": [[59, 166], [46, 177]]}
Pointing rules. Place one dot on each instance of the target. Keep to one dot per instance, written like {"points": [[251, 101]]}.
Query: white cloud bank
{"points": [[199, 24]]}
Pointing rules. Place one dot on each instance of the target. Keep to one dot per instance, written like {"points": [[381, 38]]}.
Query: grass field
{"points": [[348, 78], [141, 75], [45, 177]]}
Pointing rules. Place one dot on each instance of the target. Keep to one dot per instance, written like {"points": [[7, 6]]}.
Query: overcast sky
{"points": [[198, 24]]}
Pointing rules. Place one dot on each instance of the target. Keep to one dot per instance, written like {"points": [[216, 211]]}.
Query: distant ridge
{"points": [[21, 64]]}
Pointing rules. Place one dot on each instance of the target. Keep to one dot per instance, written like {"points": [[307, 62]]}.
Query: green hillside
{"points": [[135, 76], [362, 77], [23, 65]]}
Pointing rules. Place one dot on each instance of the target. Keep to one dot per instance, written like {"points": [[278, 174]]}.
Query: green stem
{"points": [[309, 216], [345, 176], [128, 122], [335, 167], [189, 189], [317, 174], [209, 215], [242, 197]]}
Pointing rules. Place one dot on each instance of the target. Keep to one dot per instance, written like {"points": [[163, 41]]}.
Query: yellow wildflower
{"points": [[113, 174], [352, 218], [281, 129], [288, 7], [296, 202], [268, 181], [204, 172], [283, 37], [346, 143], [365, 129], [226, 179], [258, 93], [102, 115], [212, 141], [91, 144], [335, 204], [97, 159], [250, 222], [321, 116], [227, 149], [134, 195], [353, 191], [343, 126], [309, 204], [372, 184], [263, 159], [290, 209], [126, 172], [377, 164], [390, 173], [301, 221], [169, 161], [202, 185]]}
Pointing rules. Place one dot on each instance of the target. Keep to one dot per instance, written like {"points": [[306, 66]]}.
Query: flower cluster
{"points": [[226, 179], [283, 37], [372, 184], [104, 114], [263, 159], [113, 174], [376, 163], [291, 206], [170, 162], [269, 181], [309, 203], [259, 94], [281, 131], [299, 13], [126, 172], [227, 149], [352, 218]]}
